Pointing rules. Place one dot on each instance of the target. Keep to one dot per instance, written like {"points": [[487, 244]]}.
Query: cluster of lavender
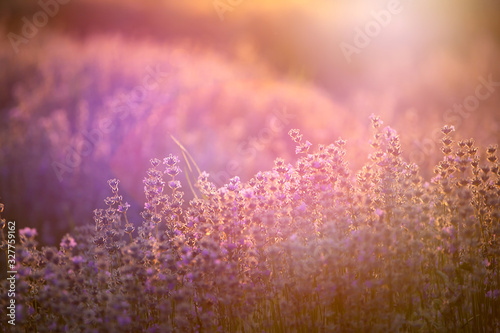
{"points": [[99, 124], [304, 247]]}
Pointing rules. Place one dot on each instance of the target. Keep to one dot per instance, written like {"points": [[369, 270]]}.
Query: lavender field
{"points": [[263, 166]]}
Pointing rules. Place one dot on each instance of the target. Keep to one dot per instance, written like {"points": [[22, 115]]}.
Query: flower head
{"points": [[28, 233], [68, 242], [171, 160], [447, 129], [113, 183], [174, 184]]}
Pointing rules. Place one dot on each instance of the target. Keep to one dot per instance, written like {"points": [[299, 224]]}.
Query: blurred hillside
{"points": [[228, 81]]}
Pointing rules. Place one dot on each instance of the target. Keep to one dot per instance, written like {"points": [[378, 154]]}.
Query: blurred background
{"points": [[91, 90]]}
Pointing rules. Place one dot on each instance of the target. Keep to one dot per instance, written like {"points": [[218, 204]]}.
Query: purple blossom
{"points": [[67, 243], [28, 233]]}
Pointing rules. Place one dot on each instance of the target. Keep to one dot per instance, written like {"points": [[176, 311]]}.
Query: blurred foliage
{"points": [[227, 81], [304, 247]]}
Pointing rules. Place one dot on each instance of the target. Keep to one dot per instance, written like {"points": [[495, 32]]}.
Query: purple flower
{"points": [[124, 320], [155, 162], [173, 171], [123, 208], [78, 260], [113, 183], [171, 160], [174, 184], [493, 294], [67, 242], [28, 233]]}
